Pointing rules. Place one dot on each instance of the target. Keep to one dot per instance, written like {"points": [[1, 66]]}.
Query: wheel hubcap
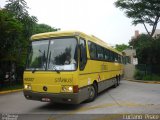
{"points": [[92, 93]]}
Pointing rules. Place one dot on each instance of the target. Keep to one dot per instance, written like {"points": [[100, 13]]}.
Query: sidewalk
{"points": [[143, 81]]}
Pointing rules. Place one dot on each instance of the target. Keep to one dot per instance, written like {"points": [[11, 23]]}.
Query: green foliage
{"points": [[151, 77], [121, 47], [11, 87], [147, 77], [147, 48], [142, 12], [10, 35], [19, 9], [141, 75], [138, 75], [16, 28], [41, 28], [155, 77]]}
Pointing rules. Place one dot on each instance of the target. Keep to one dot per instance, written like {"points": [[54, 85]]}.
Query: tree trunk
{"points": [[154, 26]]}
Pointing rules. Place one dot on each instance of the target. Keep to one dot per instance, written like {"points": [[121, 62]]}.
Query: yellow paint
{"points": [[10, 91], [107, 105]]}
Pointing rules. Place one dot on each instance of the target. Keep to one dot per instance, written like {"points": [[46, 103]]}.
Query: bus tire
{"points": [[119, 80], [92, 93], [115, 83]]}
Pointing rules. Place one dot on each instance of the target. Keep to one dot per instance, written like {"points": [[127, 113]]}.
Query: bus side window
{"points": [[111, 56], [115, 57], [83, 54], [106, 54], [92, 50], [99, 53]]}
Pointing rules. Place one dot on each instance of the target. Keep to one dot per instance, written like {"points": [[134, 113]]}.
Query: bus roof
{"points": [[73, 33], [53, 34]]}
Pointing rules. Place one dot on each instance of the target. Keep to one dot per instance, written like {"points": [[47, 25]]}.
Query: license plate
{"points": [[46, 99]]}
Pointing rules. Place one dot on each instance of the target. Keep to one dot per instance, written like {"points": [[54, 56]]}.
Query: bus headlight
{"points": [[67, 89], [27, 87]]}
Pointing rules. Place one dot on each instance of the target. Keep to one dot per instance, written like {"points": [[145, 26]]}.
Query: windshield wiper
{"points": [[34, 70], [54, 67]]}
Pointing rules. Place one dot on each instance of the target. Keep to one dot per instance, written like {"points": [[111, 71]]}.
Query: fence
{"points": [[8, 78], [149, 69]]}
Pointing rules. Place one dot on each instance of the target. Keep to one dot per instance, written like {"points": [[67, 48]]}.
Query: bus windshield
{"points": [[54, 54]]}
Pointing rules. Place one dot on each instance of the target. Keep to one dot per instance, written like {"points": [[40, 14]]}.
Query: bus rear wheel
{"points": [[118, 80], [92, 93]]}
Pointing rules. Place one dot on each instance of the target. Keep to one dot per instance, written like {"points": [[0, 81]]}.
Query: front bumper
{"points": [[70, 98]]}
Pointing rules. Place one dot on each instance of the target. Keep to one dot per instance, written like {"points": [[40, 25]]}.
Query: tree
{"points": [[41, 28], [121, 47], [16, 27], [147, 49], [142, 12], [19, 9], [10, 35], [10, 38]]}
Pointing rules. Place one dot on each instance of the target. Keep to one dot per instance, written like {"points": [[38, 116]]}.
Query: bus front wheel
{"points": [[92, 93]]}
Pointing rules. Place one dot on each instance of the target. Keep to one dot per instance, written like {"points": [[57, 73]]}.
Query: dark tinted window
{"points": [[92, 50], [111, 56], [83, 54], [115, 57], [106, 54], [100, 53]]}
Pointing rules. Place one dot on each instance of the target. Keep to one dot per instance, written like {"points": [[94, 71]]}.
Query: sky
{"points": [[94, 17]]}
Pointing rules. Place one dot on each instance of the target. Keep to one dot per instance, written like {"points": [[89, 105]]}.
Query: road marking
{"points": [[114, 100], [101, 106]]}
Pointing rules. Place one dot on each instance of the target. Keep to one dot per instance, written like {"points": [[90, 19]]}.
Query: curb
{"points": [[142, 81], [10, 91]]}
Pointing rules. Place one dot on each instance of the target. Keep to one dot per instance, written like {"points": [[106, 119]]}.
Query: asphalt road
{"points": [[129, 97]]}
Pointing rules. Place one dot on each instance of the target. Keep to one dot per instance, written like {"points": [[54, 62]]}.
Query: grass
{"points": [[152, 77]]}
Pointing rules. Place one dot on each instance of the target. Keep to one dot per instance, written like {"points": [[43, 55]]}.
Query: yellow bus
{"points": [[70, 67]]}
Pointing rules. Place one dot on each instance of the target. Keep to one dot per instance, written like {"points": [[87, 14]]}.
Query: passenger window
{"points": [[92, 50], [111, 56], [100, 53], [106, 55], [115, 57]]}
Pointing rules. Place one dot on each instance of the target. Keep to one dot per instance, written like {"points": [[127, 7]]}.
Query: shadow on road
{"points": [[57, 107]]}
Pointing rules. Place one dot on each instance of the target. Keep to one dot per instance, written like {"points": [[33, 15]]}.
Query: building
{"points": [[155, 35], [136, 34], [131, 61]]}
